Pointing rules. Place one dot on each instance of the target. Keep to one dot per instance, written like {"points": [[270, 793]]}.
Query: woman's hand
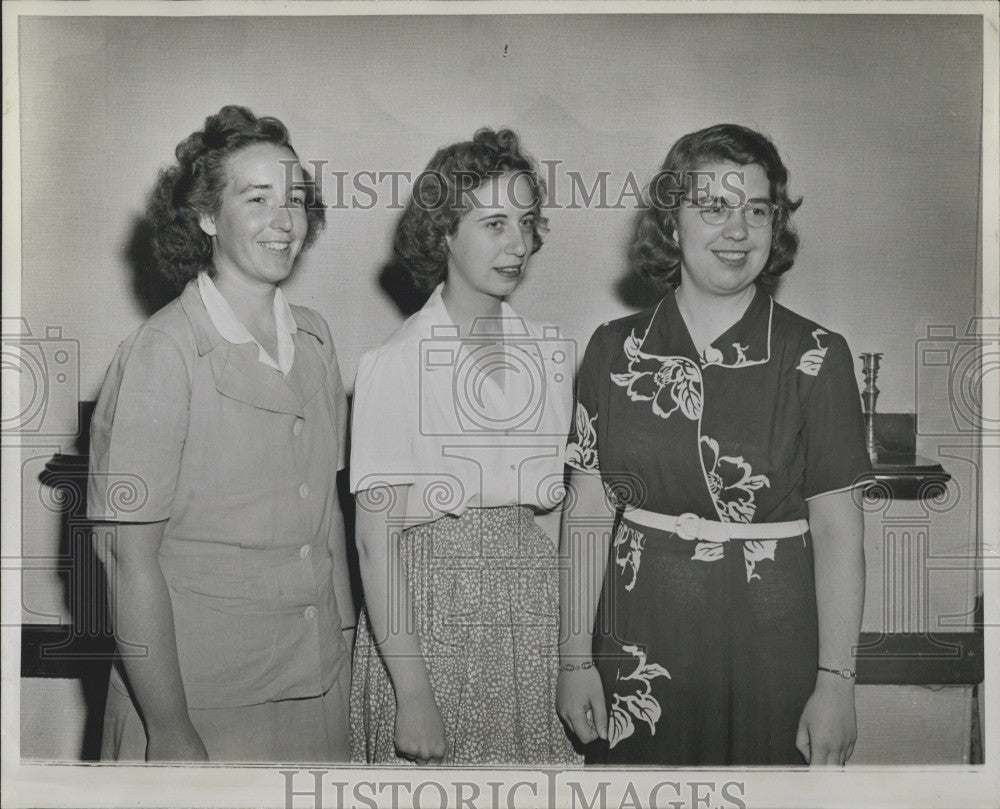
{"points": [[179, 743], [140, 608], [419, 734], [828, 727], [580, 703], [579, 692]]}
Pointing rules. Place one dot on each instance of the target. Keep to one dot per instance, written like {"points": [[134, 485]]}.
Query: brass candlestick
{"points": [[869, 367]]}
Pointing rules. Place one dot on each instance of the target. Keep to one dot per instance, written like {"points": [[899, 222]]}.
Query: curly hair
{"points": [[194, 186], [439, 200], [656, 254]]}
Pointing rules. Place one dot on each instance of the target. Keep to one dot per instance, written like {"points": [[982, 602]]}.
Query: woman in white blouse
{"points": [[458, 429]]}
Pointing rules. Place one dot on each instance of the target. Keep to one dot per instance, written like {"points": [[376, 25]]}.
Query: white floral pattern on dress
{"points": [[756, 549], [629, 543], [582, 453], [670, 383], [707, 551], [711, 356], [640, 704], [812, 360], [732, 484]]}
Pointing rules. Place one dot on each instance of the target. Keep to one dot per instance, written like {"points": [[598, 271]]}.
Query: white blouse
{"points": [[429, 414]]}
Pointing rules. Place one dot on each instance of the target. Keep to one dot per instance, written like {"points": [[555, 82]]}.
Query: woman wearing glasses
{"points": [[727, 434]]}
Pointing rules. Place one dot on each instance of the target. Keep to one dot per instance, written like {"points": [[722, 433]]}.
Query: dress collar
{"points": [[746, 342], [232, 329]]}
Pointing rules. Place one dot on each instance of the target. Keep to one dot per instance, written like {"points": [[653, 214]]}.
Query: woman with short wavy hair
{"points": [[455, 450], [441, 198], [655, 251], [226, 414], [722, 436]]}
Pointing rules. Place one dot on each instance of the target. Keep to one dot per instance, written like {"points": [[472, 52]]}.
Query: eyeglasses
{"points": [[757, 213]]}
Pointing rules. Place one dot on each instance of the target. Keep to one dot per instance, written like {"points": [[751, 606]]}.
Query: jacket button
{"points": [[304, 551], [297, 427], [303, 491], [310, 613]]}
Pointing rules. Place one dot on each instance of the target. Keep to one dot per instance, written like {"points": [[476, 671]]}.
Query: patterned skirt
{"points": [[707, 651], [484, 588]]}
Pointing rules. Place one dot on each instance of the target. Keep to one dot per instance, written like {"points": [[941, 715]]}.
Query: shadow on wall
{"points": [[637, 291], [151, 290], [633, 288], [396, 282], [83, 648]]}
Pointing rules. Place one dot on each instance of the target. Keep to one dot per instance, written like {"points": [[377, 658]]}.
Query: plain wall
{"points": [[877, 117]]}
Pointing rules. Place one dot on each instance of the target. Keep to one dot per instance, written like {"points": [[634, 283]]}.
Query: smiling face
{"points": [[488, 253], [723, 259], [261, 223]]}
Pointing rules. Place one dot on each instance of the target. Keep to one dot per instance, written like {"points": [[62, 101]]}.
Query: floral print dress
{"points": [[708, 651]]}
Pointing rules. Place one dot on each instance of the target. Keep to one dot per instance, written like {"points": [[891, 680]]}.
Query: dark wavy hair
{"points": [[194, 187], [656, 254], [439, 200]]}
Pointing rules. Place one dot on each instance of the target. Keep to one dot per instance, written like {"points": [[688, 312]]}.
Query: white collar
{"points": [[436, 314], [231, 328]]}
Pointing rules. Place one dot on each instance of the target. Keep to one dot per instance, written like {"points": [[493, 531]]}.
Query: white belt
{"points": [[691, 526]]}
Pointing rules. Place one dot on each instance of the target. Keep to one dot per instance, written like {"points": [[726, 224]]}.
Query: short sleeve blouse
{"points": [[428, 414]]}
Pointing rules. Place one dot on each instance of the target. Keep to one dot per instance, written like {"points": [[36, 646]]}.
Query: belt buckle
{"points": [[687, 526]]}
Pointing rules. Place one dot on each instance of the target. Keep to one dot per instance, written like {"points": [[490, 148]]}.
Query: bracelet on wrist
{"points": [[847, 674], [586, 664]]}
